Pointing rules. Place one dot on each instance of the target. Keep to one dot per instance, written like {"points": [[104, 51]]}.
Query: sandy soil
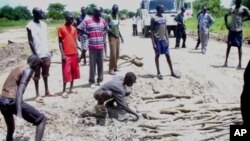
{"points": [[199, 106]]}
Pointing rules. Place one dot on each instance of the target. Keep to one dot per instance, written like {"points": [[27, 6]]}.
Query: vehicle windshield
{"points": [[168, 4]]}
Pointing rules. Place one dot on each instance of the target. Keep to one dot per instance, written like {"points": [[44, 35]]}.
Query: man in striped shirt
{"points": [[95, 28]]}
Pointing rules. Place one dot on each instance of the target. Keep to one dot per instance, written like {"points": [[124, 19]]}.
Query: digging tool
{"points": [[134, 61]]}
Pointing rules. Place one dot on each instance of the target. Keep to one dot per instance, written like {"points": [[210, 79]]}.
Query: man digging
{"points": [[115, 91]]}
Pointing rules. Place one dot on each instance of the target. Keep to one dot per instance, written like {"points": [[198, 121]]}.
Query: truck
{"points": [[147, 10]]}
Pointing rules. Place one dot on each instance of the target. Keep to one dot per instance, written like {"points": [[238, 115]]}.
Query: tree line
{"points": [[55, 11]]}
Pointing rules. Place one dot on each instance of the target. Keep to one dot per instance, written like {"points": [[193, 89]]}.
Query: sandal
{"points": [[175, 76], [159, 76], [39, 99], [73, 92], [49, 94], [64, 95]]}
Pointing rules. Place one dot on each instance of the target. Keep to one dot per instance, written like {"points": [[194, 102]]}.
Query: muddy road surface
{"points": [[199, 106]]}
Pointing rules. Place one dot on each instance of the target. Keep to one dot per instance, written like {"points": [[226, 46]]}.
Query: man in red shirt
{"points": [[67, 35]]}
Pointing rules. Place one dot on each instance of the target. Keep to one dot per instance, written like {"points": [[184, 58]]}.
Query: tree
{"points": [[90, 9], [56, 10], [123, 12], [7, 12], [246, 3], [131, 14], [107, 11], [22, 12], [214, 7]]}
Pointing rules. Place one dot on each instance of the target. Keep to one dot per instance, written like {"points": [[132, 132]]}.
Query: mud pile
{"points": [[12, 54]]}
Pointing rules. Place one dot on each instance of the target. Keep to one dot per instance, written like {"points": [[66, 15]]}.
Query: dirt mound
{"points": [[12, 54]]}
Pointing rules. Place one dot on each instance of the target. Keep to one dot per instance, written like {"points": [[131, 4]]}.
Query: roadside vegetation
{"points": [[218, 27]]}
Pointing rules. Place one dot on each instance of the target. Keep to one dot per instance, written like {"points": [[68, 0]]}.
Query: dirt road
{"points": [[199, 106]]}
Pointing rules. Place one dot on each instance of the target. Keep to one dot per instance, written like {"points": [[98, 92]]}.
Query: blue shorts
{"points": [[161, 47], [235, 38]]}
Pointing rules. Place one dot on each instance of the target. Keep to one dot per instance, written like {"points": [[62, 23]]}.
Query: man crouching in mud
{"points": [[11, 100], [245, 97], [115, 91]]}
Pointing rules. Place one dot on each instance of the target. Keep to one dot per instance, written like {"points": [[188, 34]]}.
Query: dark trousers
{"points": [[180, 34], [135, 33], [198, 41], [95, 60]]}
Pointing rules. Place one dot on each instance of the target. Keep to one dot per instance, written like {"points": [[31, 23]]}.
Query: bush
{"points": [[56, 10], [17, 13]]}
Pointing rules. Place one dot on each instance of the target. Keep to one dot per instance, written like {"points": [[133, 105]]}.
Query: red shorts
{"points": [[70, 68]]}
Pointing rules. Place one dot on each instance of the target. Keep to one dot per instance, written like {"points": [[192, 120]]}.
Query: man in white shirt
{"points": [[38, 41], [205, 22]]}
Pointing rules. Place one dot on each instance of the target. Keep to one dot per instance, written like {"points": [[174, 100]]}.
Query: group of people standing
{"points": [[91, 31], [239, 14]]}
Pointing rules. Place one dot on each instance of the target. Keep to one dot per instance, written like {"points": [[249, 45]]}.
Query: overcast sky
{"points": [[75, 5]]}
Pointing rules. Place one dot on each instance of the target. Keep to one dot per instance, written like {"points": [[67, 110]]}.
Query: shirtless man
{"points": [[11, 100]]}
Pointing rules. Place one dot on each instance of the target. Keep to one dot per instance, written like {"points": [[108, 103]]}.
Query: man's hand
{"points": [[19, 121], [64, 58], [122, 40], [154, 46], [79, 59]]}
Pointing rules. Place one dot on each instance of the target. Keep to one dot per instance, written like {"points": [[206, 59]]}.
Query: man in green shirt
{"points": [[114, 36]]}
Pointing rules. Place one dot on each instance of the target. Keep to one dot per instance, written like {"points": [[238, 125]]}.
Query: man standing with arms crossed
{"points": [[235, 29], [38, 41], [160, 40]]}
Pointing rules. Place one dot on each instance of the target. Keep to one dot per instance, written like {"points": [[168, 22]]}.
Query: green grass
{"points": [[8, 24], [218, 27]]}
